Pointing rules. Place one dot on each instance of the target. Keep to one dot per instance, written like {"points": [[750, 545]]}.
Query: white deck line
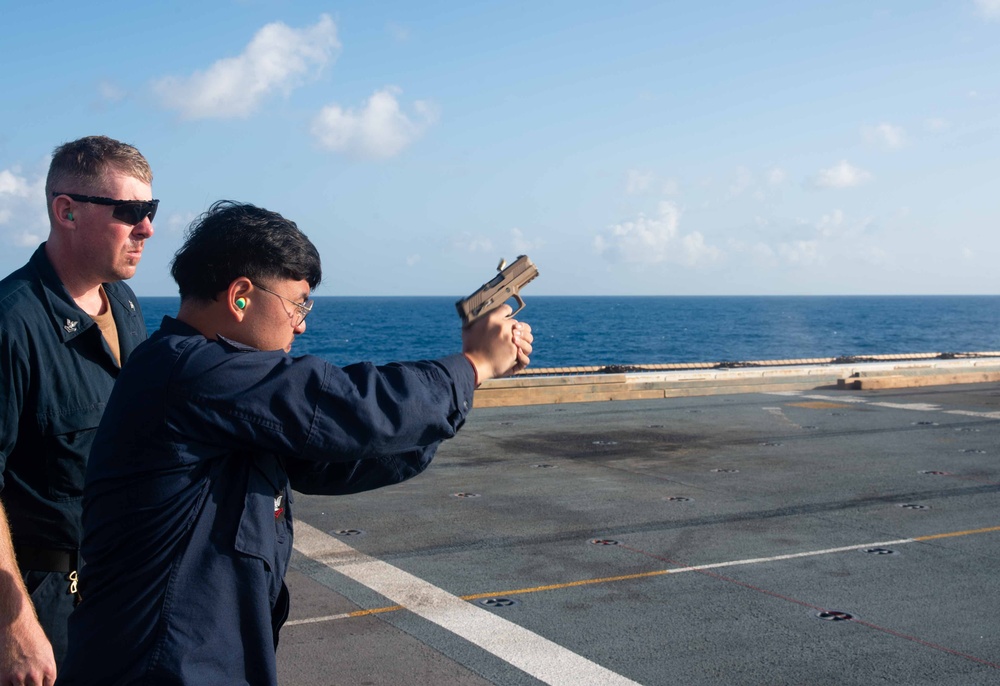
{"points": [[543, 659]]}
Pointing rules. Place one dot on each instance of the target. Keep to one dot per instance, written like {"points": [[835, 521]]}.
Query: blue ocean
{"points": [[586, 331]]}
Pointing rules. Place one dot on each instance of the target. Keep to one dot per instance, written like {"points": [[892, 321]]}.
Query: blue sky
{"points": [[658, 148]]}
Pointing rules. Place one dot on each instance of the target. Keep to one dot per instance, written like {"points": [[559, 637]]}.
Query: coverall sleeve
{"points": [[309, 409], [343, 478]]}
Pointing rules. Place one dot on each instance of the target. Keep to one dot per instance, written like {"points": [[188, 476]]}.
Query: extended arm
{"points": [[223, 397], [495, 345], [343, 478]]}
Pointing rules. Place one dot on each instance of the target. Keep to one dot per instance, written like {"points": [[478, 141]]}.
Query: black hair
{"points": [[234, 239]]}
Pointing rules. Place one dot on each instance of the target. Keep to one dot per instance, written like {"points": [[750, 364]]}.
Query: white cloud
{"points": [[466, 242], [14, 185], [743, 181], [651, 240], [278, 58], [671, 187], [412, 260], [842, 175], [800, 252], [380, 129], [989, 9], [637, 181], [936, 124], [829, 224], [760, 252], [27, 239], [23, 217], [833, 234], [521, 244], [179, 221], [886, 135], [837, 227], [763, 252], [110, 92], [696, 251], [756, 185]]}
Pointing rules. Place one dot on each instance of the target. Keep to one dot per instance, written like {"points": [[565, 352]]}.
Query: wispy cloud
{"points": [[744, 180], [756, 185], [776, 176], [803, 243], [651, 240], [800, 252], [177, 222], [466, 242], [829, 224], [379, 129], [522, 244], [637, 181], [886, 135], [936, 124], [842, 175], [277, 59], [988, 9], [794, 253], [109, 93], [399, 33]]}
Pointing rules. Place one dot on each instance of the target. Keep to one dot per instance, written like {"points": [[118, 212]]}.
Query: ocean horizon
{"points": [[631, 330]]}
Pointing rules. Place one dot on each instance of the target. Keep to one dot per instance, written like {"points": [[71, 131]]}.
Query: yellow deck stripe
{"points": [[969, 532], [660, 572]]}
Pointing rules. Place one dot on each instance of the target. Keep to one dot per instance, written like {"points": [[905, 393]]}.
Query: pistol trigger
{"points": [[502, 265], [520, 305]]}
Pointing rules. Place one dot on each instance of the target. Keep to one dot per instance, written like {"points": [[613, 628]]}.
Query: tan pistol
{"points": [[498, 290]]}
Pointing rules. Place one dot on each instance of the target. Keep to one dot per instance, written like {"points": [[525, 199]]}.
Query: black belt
{"points": [[46, 559]]}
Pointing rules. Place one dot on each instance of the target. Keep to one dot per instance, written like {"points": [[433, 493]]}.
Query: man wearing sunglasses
{"points": [[188, 508], [67, 323]]}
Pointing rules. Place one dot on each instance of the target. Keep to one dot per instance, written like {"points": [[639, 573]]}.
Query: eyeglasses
{"points": [[129, 211], [302, 310]]}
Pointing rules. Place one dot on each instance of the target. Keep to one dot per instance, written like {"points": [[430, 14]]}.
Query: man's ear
{"points": [[62, 212], [238, 297]]}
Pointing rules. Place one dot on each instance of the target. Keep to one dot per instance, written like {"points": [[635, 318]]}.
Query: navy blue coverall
{"points": [[56, 373], [188, 508]]}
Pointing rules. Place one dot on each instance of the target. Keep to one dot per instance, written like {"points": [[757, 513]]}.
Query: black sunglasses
{"points": [[129, 211]]}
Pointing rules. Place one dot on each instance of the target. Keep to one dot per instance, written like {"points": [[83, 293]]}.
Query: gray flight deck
{"points": [[798, 537]]}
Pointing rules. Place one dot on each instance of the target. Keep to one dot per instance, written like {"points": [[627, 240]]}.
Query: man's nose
{"points": [[144, 229]]}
